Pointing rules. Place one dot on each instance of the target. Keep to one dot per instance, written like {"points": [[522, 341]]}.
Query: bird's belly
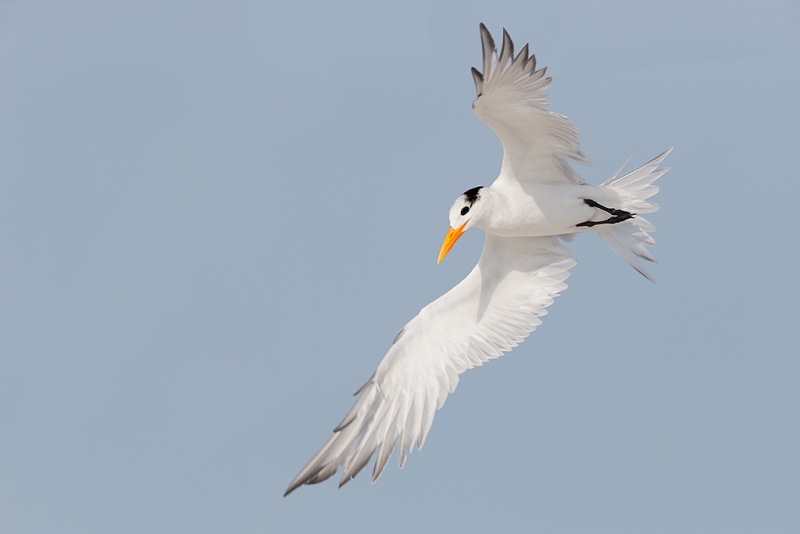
{"points": [[543, 211]]}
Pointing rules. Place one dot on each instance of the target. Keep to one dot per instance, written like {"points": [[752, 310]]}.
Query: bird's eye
{"points": [[464, 210]]}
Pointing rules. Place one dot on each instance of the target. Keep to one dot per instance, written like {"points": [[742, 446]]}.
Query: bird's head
{"points": [[465, 212]]}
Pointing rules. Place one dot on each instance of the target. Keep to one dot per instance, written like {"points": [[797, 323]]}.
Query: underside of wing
{"points": [[537, 143], [490, 312]]}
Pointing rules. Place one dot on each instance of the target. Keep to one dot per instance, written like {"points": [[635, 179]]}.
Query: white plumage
{"points": [[512, 102], [536, 200]]}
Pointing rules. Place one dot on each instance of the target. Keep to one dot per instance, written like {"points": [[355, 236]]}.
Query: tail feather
{"points": [[630, 238]]}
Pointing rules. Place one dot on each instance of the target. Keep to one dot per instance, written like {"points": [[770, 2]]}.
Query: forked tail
{"points": [[631, 238]]}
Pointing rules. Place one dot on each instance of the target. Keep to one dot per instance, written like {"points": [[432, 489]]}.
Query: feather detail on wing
{"points": [[537, 143], [490, 312]]}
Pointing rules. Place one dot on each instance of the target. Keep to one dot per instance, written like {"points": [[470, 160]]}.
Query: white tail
{"points": [[630, 238]]}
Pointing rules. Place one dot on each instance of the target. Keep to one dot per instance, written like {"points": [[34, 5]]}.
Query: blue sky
{"points": [[214, 217]]}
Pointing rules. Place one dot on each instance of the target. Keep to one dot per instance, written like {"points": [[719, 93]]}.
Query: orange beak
{"points": [[450, 240]]}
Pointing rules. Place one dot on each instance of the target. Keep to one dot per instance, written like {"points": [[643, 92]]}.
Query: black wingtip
{"points": [[507, 52], [486, 34], [523, 56], [477, 77], [486, 37], [345, 423], [488, 49]]}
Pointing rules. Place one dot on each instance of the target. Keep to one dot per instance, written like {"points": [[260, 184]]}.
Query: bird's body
{"points": [[536, 202], [535, 210]]}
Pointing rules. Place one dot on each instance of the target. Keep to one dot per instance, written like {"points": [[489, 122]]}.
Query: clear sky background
{"points": [[215, 216]]}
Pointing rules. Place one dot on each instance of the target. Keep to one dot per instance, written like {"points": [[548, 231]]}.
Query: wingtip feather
{"points": [[477, 77], [489, 50], [507, 52]]}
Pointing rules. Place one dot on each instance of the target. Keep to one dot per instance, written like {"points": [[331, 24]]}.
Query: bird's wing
{"points": [[491, 311], [537, 144]]}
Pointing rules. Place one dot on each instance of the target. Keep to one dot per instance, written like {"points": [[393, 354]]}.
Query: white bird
{"points": [[536, 200]]}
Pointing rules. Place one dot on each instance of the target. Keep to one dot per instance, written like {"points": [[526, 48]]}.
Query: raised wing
{"points": [[490, 312], [537, 143]]}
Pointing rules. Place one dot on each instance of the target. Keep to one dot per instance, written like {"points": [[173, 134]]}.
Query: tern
{"points": [[536, 202]]}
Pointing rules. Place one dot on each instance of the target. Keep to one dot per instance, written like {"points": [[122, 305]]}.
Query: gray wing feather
{"points": [[511, 100], [490, 312]]}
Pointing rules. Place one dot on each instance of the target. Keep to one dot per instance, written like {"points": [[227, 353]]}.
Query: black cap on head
{"points": [[472, 194]]}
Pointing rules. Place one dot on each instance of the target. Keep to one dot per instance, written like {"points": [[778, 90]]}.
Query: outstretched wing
{"points": [[537, 143], [491, 311]]}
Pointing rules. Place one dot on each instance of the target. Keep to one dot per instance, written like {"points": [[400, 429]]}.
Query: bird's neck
{"points": [[496, 210]]}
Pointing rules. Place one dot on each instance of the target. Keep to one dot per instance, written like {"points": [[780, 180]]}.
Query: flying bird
{"points": [[536, 202]]}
